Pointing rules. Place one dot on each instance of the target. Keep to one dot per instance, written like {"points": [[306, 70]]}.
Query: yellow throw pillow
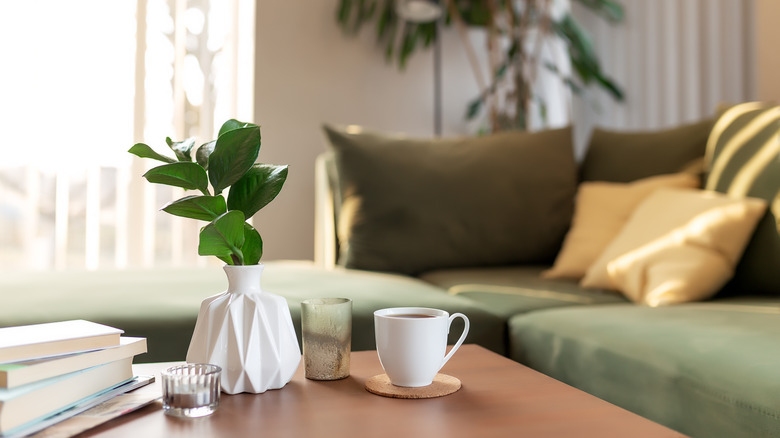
{"points": [[679, 245], [600, 211]]}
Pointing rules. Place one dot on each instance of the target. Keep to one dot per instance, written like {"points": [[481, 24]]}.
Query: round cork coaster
{"points": [[442, 385]]}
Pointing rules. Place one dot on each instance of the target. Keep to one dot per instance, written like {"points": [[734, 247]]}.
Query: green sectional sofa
{"points": [[473, 226]]}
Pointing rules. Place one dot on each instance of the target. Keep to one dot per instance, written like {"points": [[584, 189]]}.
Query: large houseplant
{"points": [[519, 40], [246, 331]]}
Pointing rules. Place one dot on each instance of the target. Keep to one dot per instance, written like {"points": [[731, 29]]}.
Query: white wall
{"points": [[767, 35], [309, 73]]}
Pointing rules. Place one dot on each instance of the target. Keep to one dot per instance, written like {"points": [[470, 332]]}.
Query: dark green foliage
{"points": [[258, 187], [226, 163]]}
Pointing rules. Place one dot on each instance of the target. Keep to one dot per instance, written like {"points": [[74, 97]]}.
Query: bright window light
{"points": [[66, 82]]}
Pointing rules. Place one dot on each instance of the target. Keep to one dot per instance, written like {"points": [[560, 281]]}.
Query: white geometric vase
{"points": [[247, 332]]}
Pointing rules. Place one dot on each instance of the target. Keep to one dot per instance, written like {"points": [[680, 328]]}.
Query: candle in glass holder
{"points": [[191, 390]]}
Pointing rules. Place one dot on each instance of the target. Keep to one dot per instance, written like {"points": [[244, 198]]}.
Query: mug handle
{"points": [[462, 336]]}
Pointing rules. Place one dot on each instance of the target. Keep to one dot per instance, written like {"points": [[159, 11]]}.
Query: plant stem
{"points": [[494, 60], [470, 53]]}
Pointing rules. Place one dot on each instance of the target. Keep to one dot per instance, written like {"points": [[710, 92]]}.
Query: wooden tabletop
{"points": [[499, 398]]}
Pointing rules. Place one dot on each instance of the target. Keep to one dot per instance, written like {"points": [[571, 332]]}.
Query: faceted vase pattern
{"points": [[247, 332]]}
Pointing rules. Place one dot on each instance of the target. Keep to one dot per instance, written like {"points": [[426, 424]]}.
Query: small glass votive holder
{"points": [[326, 332], [191, 390]]}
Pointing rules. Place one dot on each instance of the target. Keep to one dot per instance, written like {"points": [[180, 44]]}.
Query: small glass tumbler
{"points": [[326, 331], [191, 390]]}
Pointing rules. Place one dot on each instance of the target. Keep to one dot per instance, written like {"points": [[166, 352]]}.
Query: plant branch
{"points": [[493, 59], [470, 53]]}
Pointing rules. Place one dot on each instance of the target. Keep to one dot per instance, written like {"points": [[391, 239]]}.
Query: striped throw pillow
{"points": [[743, 159]]}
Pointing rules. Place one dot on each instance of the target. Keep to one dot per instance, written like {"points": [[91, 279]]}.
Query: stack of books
{"points": [[52, 371]]}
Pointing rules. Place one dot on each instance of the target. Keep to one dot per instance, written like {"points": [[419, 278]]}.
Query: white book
{"points": [[20, 373], [89, 412], [53, 338], [43, 398]]}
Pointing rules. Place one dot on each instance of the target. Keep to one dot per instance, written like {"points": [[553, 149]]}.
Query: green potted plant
{"points": [[244, 325]]}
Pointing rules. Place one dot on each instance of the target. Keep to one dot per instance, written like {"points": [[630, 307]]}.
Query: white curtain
{"points": [[676, 60]]}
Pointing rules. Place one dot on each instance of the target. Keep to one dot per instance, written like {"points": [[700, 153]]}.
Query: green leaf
{"points": [[257, 188], [579, 42], [552, 67], [389, 50], [475, 13], [513, 51], [427, 32], [366, 10], [473, 108], [342, 13], [573, 86], [610, 10], [144, 151], [228, 260], [609, 85], [234, 154], [181, 148], [386, 20], [253, 245], [204, 152], [224, 237], [408, 43], [204, 208], [542, 109], [360, 7], [583, 57], [567, 80], [187, 175], [501, 71], [233, 124]]}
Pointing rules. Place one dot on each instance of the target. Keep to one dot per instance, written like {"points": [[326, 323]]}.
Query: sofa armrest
{"points": [[325, 211]]}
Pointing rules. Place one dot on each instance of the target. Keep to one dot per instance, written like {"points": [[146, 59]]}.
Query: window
{"points": [[80, 84]]}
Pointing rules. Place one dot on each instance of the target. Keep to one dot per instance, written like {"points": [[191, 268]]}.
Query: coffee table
{"points": [[499, 398]]}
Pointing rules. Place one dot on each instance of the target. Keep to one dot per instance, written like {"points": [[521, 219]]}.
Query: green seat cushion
{"points": [[510, 290], [704, 369], [743, 159], [162, 304], [625, 156], [411, 205], [370, 291]]}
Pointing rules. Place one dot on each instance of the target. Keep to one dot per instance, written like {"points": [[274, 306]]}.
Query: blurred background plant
{"points": [[525, 41]]}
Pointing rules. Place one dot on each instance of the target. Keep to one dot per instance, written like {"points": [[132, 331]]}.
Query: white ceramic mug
{"points": [[412, 341]]}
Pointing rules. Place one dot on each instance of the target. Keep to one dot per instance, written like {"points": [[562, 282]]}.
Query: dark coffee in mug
{"points": [[412, 315]]}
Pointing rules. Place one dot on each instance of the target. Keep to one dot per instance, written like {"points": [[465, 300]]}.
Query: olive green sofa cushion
{"points": [[408, 205], [162, 304], [625, 156], [704, 369]]}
